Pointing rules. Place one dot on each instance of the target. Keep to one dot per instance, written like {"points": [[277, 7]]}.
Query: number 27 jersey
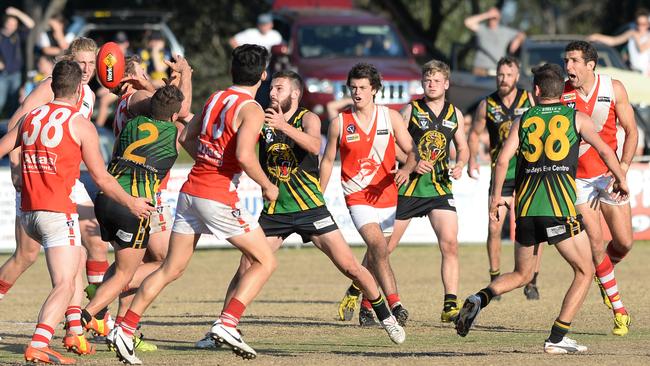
{"points": [[547, 162], [215, 174]]}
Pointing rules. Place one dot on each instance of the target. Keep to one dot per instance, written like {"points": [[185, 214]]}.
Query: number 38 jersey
{"points": [[547, 162], [50, 159], [215, 174], [144, 153]]}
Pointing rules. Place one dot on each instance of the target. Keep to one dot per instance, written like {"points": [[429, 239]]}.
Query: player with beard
{"points": [[605, 100], [289, 146], [367, 135], [496, 112]]}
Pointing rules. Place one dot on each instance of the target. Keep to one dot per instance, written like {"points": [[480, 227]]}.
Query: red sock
{"points": [[232, 313], [616, 255], [95, 271], [393, 300], [4, 288], [42, 336], [130, 323], [365, 303], [118, 319], [73, 319], [605, 273]]}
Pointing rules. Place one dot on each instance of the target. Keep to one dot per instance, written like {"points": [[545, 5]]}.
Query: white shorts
{"points": [[592, 189], [52, 229], [79, 195], [362, 215], [195, 215]]}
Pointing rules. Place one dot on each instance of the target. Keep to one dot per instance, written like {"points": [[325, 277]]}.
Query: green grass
{"points": [[293, 321]]}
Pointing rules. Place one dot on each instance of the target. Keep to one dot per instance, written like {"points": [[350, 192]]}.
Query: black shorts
{"points": [[532, 230], [508, 189], [316, 221], [89, 184], [409, 207], [119, 225]]}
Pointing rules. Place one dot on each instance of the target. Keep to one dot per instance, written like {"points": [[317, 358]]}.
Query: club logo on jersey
{"points": [[449, 124], [423, 122], [571, 105], [281, 162], [352, 138], [268, 135], [569, 97], [604, 99], [432, 145], [368, 167], [504, 130], [351, 128], [39, 161]]}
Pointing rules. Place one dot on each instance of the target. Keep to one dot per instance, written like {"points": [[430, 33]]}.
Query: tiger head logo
{"points": [[432, 145], [504, 130], [281, 162]]}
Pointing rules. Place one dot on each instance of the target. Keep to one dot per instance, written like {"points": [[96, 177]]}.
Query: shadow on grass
{"points": [[410, 354], [220, 302], [502, 329]]}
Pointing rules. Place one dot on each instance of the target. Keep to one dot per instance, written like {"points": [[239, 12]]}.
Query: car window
{"points": [[316, 41]]}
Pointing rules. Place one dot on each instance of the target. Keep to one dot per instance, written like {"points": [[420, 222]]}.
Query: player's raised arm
{"points": [[507, 152], [252, 118], [327, 163], [625, 116], [478, 126], [587, 131], [86, 135]]}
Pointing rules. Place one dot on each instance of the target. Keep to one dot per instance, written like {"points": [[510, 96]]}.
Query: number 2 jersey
{"points": [[216, 171], [50, 159], [547, 161], [144, 153]]}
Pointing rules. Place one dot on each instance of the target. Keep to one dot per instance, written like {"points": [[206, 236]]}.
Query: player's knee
{"points": [[27, 257], [352, 271], [65, 286], [449, 248]]}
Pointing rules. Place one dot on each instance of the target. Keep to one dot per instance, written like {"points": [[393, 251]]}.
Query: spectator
{"points": [[44, 67], [11, 56], [154, 55], [54, 41], [638, 42], [122, 40], [263, 35], [494, 40]]}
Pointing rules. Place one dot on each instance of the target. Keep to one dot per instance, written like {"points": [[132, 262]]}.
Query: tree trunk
{"points": [[40, 20]]}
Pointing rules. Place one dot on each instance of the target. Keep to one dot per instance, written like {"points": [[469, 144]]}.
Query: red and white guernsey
{"points": [[86, 102], [51, 159], [216, 172], [600, 104], [122, 115], [367, 159]]}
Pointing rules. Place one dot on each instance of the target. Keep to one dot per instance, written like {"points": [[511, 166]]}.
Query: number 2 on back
{"points": [[153, 136]]}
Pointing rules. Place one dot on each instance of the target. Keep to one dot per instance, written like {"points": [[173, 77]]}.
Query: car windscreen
{"points": [[332, 41]]}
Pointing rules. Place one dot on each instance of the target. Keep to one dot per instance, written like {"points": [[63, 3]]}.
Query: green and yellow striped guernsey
{"points": [[144, 153], [291, 168], [432, 135], [498, 120], [547, 162]]}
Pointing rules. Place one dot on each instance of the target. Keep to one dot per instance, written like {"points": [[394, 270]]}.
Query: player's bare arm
{"points": [[11, 140], [327, 163], [252, 118], [462, 151], [84, 132], [586, 128], [625, 116], [478, 126], [507, 152], [189, 136], [405, 143], [406, 115], [183, 68], [308, 139]]}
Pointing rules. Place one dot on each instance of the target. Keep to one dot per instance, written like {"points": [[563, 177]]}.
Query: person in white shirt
{"points": [[263, 35]]}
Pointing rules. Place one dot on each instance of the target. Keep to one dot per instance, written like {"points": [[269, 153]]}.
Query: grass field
{"points": [[293, 322]]}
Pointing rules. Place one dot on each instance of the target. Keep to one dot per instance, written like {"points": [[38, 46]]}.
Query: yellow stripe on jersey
{"points": [[450, 111], [524, 210], [134, 186], [309, 192], [554, 204], [520, 194], [313, 180], [147, 187], [411, 187], [523, 99], [272, 207], [567, 198], [296, 196], [438, 187], [416, 105]]}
